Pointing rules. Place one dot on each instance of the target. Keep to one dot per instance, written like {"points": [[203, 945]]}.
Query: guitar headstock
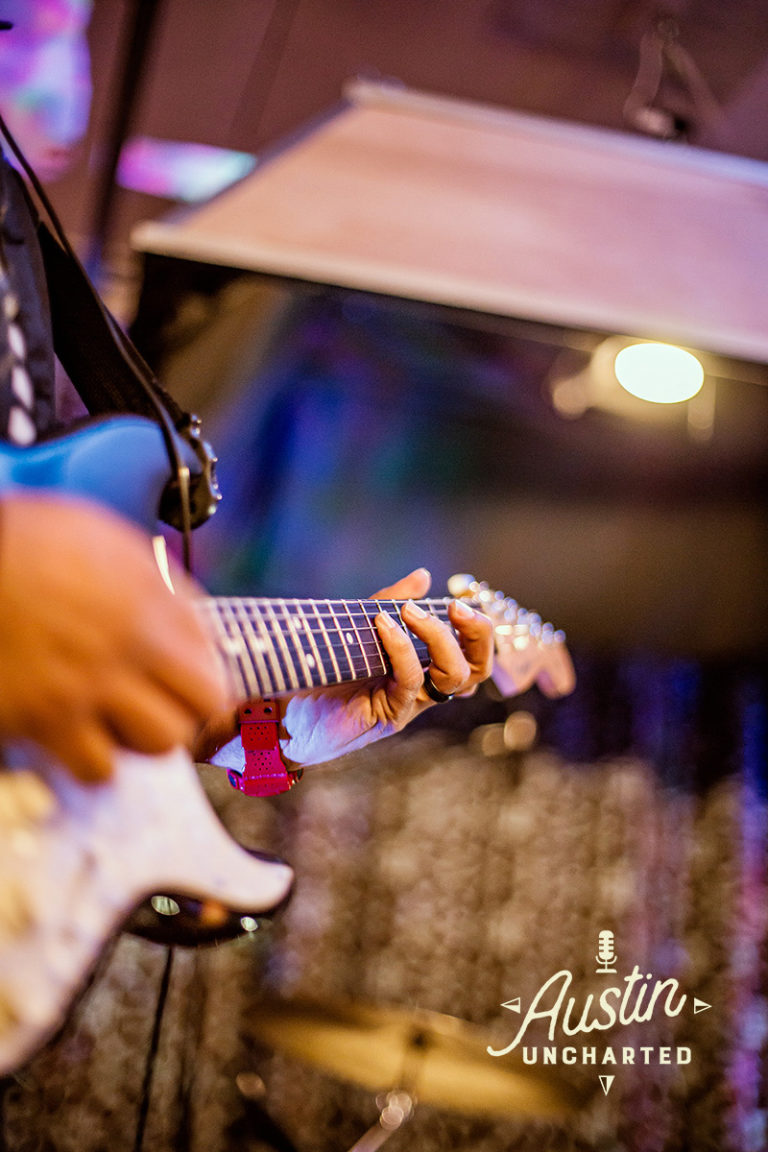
{"points": [[528, 650]]}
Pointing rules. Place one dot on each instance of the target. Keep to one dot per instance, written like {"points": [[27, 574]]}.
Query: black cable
{"points": [[154, 1044]]}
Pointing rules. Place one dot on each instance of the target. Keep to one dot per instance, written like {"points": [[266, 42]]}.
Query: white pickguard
{"points": [[75, 861]]}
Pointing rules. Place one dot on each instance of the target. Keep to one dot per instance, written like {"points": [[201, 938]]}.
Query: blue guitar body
{"points": [[120, 461]]}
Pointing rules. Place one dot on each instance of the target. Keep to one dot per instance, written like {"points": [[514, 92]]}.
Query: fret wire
{"points": [[347, 639], [239, 648], [335, 642], [368, 608], [378, 648], [259, 682], [256, 647], [309, 632], [247, 629], [210, 616], [275, 628], [264, 642], [361, 662], [394, 608], [360, 643], [320, 666], [294, 631], [283, 650], [397, 610], [262, 610], [245, 658], [331, 653], [356, 616], [247, 673], [438, 609], [283, 621], [352, 675]]}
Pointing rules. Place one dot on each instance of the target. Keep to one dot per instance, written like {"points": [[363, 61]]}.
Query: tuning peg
{"points": [[534, 625], [462, 585], [528, 650]]}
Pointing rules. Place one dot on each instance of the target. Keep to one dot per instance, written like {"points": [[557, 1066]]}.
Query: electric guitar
{"points": [[75, 861]]}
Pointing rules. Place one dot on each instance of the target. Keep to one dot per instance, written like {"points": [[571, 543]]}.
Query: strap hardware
{"points": [[264, 772]]}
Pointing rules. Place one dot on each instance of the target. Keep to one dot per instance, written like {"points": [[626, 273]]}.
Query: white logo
{"points": [[637, 999], [605, 954]]}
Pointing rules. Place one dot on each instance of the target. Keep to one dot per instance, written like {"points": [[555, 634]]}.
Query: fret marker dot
{"points": [[349, 638], [234, 645], [310, 661]]}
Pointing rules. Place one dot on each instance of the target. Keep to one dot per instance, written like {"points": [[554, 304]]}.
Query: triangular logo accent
{"points": [[606, 1082], [514, 1005], [700, 1005]]}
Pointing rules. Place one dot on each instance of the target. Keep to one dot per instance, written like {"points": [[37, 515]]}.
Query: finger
{"points": [[475, 632], [406, 675], [176, 645], [449, 669], [217, 731], [85, 749], [174, 652], [414, 586], [145, 718]]}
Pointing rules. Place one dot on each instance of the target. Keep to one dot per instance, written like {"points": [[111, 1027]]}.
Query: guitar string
{"points": [[293, 627], [254, 628]]}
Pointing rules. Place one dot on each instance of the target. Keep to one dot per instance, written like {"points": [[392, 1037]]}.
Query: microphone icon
{"points": [[605, 954]]}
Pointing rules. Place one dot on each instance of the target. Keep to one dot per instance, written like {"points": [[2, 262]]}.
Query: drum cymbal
{"points": [[438, 1059]]}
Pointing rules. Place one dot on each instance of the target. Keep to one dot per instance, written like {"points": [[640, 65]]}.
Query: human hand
{"points": [[96, 653], [328, 722]]}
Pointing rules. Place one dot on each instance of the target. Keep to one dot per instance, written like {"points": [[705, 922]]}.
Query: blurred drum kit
{"points": [[405, 1057]]}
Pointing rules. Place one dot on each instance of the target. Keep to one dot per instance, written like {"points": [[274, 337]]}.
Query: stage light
{"points": [[660, 373]]}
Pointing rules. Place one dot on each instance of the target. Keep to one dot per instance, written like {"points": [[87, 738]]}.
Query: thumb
{"points": [[413, 586]]}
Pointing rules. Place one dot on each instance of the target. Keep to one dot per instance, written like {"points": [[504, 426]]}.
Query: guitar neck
{"points": [[277, 646]]}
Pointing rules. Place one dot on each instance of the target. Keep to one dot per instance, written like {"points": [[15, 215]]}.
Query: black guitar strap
{"points": [[110, 374], [105, 367]]}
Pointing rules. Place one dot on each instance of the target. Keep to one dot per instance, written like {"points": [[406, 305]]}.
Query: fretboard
{"points": [[277, 646]]}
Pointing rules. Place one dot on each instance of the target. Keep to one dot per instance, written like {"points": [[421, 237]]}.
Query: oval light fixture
{"points": [[660, 373]]}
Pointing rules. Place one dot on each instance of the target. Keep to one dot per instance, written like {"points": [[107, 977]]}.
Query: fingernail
{"points": [[386, 620], [415, 609], [463, 609]]}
